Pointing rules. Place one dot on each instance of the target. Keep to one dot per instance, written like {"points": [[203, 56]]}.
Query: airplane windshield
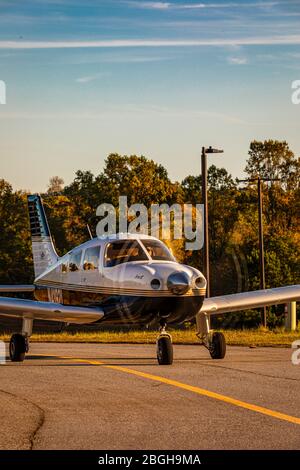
{"points": [[157, 250], [123, 251]]}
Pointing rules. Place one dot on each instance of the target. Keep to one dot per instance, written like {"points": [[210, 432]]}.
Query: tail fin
{"points": [[44, 254]]}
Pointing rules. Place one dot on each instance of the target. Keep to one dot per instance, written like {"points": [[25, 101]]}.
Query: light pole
{"points": [[259, 181], [204, 152], [261, 246]]}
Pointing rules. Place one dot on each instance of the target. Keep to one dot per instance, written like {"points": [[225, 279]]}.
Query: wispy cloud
{"points": [[88, 78], [237, 60], [151, 5], [19, 19], [126, 110], [133, 59], [91, 78], [120, 43], [294, 55], [110, 57], [193, 6], [197, 6]]}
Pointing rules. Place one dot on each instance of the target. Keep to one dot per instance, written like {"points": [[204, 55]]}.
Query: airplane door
{"points": [[91, 270], [113, 271], [73, 277]]}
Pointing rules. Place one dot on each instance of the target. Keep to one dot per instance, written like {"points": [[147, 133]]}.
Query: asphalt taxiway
{"points": [[114, 396]]}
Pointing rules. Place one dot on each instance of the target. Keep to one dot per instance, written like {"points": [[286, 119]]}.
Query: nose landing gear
{"points": [[164, 346]]}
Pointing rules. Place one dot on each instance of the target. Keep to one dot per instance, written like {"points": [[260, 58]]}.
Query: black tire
{"points": [[164, 351], [217, 346], [17, 348]]}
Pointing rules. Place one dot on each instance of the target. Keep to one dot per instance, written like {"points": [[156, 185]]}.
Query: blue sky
{"points": [[87, 78]]}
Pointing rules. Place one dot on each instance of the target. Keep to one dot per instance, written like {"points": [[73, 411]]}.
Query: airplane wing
{"points": [[20, 308], [248, 300], [17, 288]]}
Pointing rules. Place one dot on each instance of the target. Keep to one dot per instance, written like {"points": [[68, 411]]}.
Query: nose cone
{"points": [[178, 283]]}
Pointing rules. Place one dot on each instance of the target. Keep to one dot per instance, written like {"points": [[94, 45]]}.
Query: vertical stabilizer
{"points": [[44, 254]]}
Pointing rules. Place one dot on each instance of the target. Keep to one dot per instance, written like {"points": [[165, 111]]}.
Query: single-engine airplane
{"points": [[121, 279]]}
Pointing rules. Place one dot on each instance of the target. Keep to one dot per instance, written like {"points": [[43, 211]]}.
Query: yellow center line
{"points": [[190, 388]]}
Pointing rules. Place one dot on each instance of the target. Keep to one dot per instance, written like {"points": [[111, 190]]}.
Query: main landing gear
{"points": [[17, 347], [164, 346], [19, 343], [214, 341]]}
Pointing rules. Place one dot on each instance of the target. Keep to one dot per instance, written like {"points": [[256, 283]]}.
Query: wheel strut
{"points": [[214, 341]]}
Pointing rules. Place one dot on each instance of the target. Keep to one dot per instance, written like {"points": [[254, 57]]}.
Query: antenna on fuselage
{"points": [[89, 230]]}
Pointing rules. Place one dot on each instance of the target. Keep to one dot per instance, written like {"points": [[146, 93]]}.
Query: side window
{"points": [[74, 263], [91, 258], [65, 264]]}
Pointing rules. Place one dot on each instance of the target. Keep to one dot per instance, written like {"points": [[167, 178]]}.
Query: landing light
{"points": [[199, 282], [155, 284]]}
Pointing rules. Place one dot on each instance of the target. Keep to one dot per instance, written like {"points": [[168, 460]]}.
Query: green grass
{"points": [[257, 337]]}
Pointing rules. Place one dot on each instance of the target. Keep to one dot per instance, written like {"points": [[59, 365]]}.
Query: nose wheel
{"points": [[164, 346]]}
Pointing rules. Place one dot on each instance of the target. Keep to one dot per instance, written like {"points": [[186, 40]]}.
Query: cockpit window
{"points": [[157, 250], [123, 251], [91, 258]]}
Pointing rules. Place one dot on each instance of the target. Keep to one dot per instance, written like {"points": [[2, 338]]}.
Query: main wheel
{"points": [[17, 348], [217, 347], [164, 350]]}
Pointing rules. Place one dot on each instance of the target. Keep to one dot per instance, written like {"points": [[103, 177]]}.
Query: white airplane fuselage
{"points": [[119, 275]]}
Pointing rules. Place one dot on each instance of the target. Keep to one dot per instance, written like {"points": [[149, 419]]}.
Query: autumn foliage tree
{"points": [[233, 218]]}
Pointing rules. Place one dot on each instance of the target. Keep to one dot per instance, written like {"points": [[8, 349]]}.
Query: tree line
{"points": [[233, 218]]}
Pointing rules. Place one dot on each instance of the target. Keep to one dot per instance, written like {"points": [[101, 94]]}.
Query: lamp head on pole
{"points": [[212, 150]]}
